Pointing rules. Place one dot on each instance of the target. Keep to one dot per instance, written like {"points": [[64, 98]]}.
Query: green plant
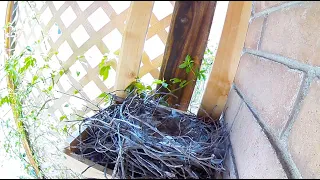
{"points": [[17, 95], [188, 64], [19, 90], [26, 72], [199, 89], [104, 68]]}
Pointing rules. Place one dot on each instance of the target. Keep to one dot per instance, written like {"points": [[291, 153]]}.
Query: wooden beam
{"points": [[78, 164], [132, 46], [227, 58], [189, 31]]}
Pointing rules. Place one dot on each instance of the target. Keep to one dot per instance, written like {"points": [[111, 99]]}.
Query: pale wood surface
{"points": [[227, 58], [132, 45], [78, 164]]}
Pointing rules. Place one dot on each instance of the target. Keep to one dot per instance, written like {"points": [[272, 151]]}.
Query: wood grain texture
{"points": [[133, 44], [227, 58], [189, 31]]}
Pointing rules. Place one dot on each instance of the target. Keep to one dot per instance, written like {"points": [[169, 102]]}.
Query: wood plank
{"points": [[189, 31], [133, 44], [79, 164], [227, 58]]}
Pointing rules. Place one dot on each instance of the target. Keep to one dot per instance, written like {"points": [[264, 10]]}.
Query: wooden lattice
{"points": [[92, 28]]}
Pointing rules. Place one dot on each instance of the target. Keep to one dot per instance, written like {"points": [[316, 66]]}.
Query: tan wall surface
{"points": [[273, 108]]}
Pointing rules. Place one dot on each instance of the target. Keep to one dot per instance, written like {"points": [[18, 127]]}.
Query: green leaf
{"points": [[175, 80], [162, 82], [67, 105], [104, 71], [56, 53], [29, 61], [188, 69], [65, 129], [102, 63], [200, 74], [34, 79], [63, 117], [197, 74], [52, 78], [76, 92], [191, 64], [158, 81], [50, 88], [117, 52], [130, 87], [61, 72], [139, 86], [78, 73], [188, 58], [183, 83], [4, 100], [80, 57], [102, 95], [52, 127], [20, 124], [183, 65], [203, 76], [46, 66]]}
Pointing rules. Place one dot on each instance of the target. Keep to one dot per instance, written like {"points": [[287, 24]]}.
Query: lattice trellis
{"points": [[92, 28]]}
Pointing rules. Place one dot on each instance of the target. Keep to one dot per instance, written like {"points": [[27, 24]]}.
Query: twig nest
{"points": [[138, 138]]}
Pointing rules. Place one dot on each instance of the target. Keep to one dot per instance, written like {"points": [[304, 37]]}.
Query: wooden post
{"points": [[133, 44], [189, 31], [227, 58]]}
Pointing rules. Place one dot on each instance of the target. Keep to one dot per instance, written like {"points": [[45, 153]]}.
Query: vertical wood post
{"points": [[132, 45], [227, 58], [188, 35]]}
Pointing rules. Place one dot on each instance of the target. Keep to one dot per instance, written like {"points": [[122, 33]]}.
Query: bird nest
{"points": [[138, 138]]}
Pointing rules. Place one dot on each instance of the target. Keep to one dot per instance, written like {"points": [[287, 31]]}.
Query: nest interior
{"points": [[138, 138]]}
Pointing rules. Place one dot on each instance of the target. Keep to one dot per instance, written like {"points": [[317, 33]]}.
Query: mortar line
{"points": [[230, 145], [263, 28], [253, 11], [231, 152], [304, 89], [283, 156], [240, 106], [290, 63], [277, 8], [233, 159], [230, 148]]}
